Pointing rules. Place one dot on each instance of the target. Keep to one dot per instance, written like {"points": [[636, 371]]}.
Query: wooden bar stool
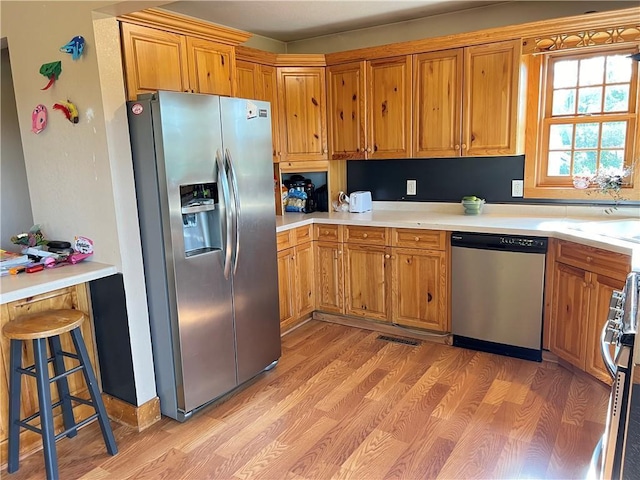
{"points": [[41, 327]]}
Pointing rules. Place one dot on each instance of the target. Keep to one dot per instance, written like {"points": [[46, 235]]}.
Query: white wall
{"points": [[499, 15], [15, 203], [80, 176]]}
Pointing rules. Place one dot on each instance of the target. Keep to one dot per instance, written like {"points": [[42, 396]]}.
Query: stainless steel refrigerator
{"points": [[204, 186]]}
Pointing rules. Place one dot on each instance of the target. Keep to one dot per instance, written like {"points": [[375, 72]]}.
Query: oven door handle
{"points": [[595, 466], [606, 353]]}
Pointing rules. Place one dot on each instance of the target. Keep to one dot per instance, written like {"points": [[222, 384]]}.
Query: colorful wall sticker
{"points": [[69, 109], [52, 71], [39, 119], [75, 47]]}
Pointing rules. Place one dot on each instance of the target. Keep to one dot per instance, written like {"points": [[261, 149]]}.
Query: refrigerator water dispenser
{"points": [[200, 218]]}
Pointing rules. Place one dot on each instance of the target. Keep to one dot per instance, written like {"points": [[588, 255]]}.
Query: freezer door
{"points": [[246, 127], [189, 139]]}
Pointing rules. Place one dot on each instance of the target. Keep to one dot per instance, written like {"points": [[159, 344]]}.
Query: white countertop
{"points": [[534, 220], [23, 285]]}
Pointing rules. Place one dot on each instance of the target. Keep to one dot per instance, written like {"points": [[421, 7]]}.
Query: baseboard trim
{"points": [[381, 327], [138, 418]]}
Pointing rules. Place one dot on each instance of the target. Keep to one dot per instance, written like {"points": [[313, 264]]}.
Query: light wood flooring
{"points": [[343, 404]]}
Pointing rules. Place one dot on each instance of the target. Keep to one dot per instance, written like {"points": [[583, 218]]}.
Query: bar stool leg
{"points": [[63, 385], [96, 397], [46, 413], [15, 387]]}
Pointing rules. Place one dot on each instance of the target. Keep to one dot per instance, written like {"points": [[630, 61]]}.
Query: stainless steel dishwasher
{"points": [[497, 290]]}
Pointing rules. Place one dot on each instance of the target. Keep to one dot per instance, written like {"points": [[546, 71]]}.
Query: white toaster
{"points": [[360, 202]]}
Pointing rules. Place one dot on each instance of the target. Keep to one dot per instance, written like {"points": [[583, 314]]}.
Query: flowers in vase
{"points": [[607, 181]]}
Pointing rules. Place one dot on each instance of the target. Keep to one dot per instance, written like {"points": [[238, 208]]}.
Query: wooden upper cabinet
{"points": [[211, 67], [302, 111], [491, 79], [153, 60], [437, 106], [347, 127], [389, 107], [247, 79]]}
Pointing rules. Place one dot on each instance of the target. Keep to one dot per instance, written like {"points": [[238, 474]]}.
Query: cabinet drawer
{"points": [[303, 234], [284, 240], [611, 264], [427, 239], [368, 235], [328, 233]]}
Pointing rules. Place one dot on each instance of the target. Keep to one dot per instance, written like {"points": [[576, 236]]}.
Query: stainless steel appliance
{"points": [[619, 333], [497, 286], [204, 185]]}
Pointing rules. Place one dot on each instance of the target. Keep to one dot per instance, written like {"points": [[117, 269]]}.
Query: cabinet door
{"points": [[601, 289], [389, 107], [286, 288], [304, 279], [302, 110], [569, 315], [153, 60], [491, 98], [211, 67], [419, 289], [437, 106], [268, 93], [329, 276], [346, 85], [366, 282], [248, 80]]}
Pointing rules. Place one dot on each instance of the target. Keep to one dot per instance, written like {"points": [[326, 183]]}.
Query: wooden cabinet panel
{"points": [[153, 60], [329, 276], [366, 282], [389, 107], [286, 288], [211, 67], [419, 289], [437, 103], [491, 79], [366, 235], [570, 309], [268, 93], [592, 259], [75, 297], [302, 110], [413, 238], [285, 240], [346, 84], [327, 233], [247, 80], [303, 234], [601, 290], [304, 279]]}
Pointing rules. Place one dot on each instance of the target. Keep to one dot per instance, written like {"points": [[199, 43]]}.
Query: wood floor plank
{"points": [[343, 404]]}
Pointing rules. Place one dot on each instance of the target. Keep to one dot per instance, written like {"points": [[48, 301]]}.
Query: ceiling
{"points": [[292, 20]]}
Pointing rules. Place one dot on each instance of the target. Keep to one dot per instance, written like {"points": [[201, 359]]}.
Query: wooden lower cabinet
{"points": [[295, 284], [419, 289], [329, 276], [366, 281], [74, 297]]}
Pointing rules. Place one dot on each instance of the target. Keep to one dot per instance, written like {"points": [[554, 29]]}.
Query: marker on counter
{"points": [[35, 268]]}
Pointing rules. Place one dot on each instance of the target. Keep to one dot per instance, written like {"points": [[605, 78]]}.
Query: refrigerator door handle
{"points": [[222, 180], [236, 201], [606, 353]]}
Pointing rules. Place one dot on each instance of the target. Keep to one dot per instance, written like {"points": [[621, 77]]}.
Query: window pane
{"points": [[565, 74], [614, 134], [616, 98], [613, 159], [590, 100], [618, 68], [592, 71], [564, 102], [560, 137], [587, 135], [584, 163], [559, 164]]}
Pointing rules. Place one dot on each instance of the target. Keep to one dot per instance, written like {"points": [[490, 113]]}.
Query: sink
{"points": [[627, 229]]}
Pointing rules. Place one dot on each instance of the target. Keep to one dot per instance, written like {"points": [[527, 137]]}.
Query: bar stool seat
{"points": [[40, 328]]}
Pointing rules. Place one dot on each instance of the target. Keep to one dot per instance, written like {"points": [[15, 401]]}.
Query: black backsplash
{"points": [[438, 179]]}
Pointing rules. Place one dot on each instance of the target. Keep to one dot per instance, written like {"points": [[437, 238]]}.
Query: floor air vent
{"points": [[404, 341]]}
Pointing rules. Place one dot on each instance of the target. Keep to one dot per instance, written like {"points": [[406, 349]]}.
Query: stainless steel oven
{"points": [[619, 333]]}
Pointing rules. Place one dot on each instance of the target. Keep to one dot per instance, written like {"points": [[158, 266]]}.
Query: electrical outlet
{"points": [[517, 188], [411, 187]]}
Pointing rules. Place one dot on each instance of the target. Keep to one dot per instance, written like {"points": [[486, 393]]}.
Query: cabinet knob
{"points": [[589, 259], [325, 151], [368, 149], [387, 256], [365, 235], [457, 147], [417, 239], [339, 252], [464, 146]]}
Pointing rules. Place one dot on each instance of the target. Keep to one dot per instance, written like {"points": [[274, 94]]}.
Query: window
{"points": [[587, 115]]}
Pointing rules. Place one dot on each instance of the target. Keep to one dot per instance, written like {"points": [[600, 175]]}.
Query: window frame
{"points": [[538, 184]]}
